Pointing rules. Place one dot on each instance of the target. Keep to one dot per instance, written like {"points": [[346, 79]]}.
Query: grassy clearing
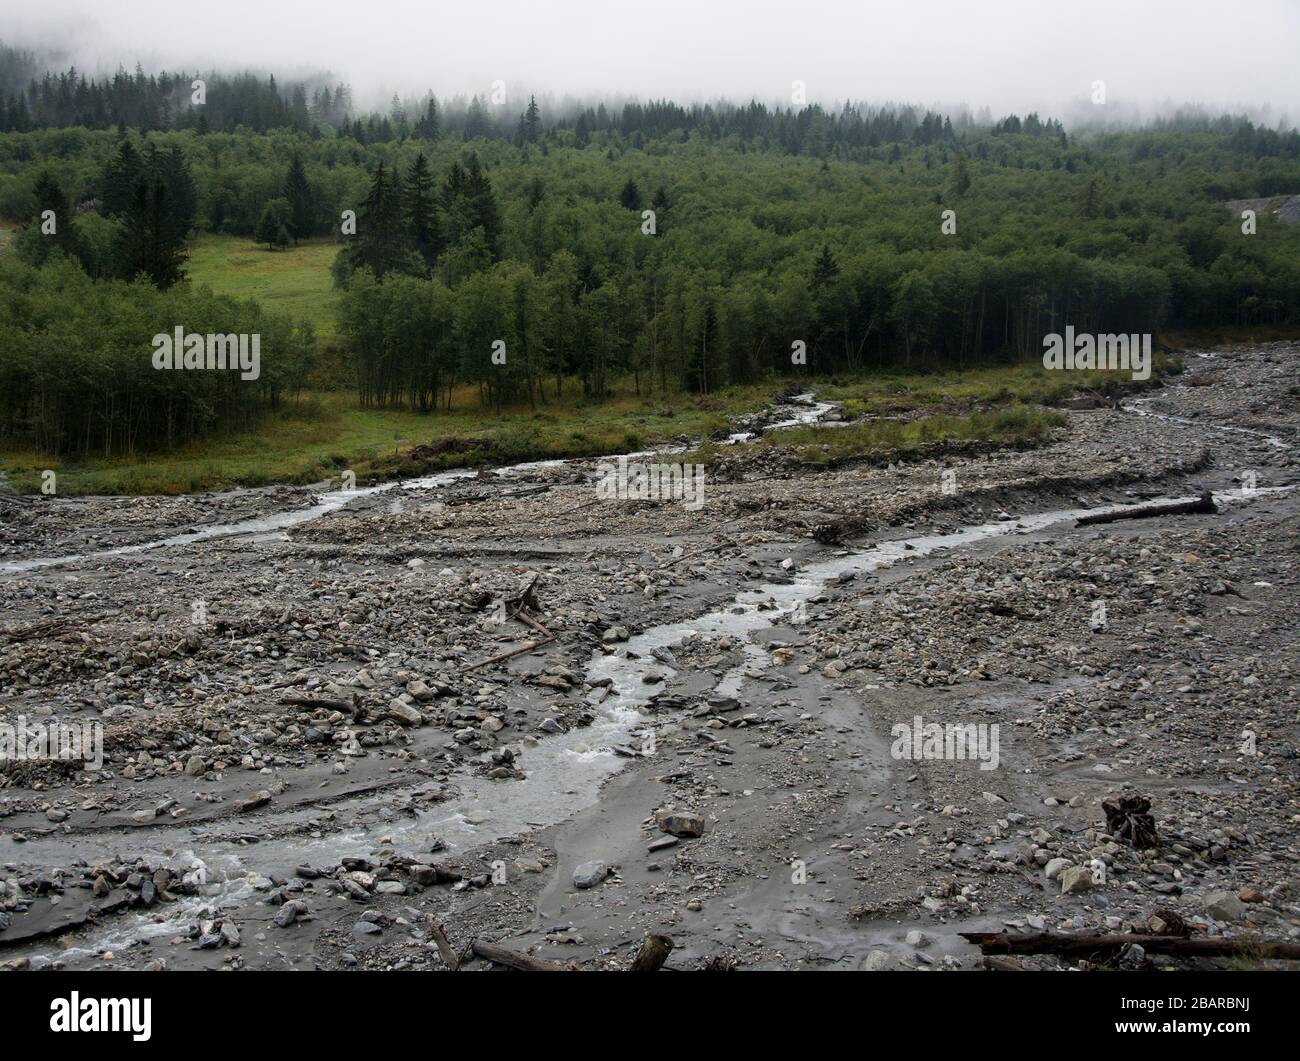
{"points": [[295, 280], [316, 438], [1018, 426], [958, 392]]}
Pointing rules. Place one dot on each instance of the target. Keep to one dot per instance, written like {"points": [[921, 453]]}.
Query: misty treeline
{"points": [[35, 97], [76, 369], [32, 98]]}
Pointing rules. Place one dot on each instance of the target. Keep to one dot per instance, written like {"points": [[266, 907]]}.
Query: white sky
{"points": [[1006, 54]]}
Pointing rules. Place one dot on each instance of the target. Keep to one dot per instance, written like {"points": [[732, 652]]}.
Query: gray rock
{"points": [[589, 874], [404, 713], [1223, 906], [683, 824], [289, 913], [1056, 866]]}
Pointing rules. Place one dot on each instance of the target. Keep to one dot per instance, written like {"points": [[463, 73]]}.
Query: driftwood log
{"points": [[1203, 504], [1086, 943], [509, 654], [350, 707], [653, 953], [51, 627], [514, 960], [449, 956], [650, 957]]}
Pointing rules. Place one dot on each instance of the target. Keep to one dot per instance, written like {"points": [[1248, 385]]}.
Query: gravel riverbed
{"points": [[310, 760]]}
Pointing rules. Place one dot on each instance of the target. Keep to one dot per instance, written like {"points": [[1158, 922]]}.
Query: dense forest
{"points": [[679, 247]]}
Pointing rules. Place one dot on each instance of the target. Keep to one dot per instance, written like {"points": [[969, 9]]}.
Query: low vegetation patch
{"points": [[829, 445]]}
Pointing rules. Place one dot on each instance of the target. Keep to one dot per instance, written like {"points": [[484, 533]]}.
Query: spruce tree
{"points": [[49, 196], [381, 242], [152, 244], [428, 126], [421, 214], [630, 196], [482, 204], [174, 171], [532, 121], [120, 178], [273, 227], [960, 176], [302, 206], [825, 270]]}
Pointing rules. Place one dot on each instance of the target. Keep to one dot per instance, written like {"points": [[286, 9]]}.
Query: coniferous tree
{"points": [[960, 176], [381, 240], [49, 196], [630, 196], [421, 214], [428, 126], [274, 226], [184, 197], [532, 121], [120, 179], [152, 243], [1090, 200], [482, 204], [825, 269], [301, 200], [476, 119]]}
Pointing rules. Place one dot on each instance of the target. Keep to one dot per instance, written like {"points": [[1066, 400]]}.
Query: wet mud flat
{"points": [[321, 769]]}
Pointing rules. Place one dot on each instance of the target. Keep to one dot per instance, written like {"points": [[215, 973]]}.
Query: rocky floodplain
{"points": [[494, 707]]}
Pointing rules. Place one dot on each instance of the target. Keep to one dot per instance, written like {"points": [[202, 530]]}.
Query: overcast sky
{"points": [[1006, 54]]}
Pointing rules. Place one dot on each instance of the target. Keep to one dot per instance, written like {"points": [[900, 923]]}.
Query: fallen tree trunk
{"points": [[653, 953], [347, 706], [511, 653], [53, 627], [1203, 504], [526, 491], [514, 960], [1094, 943]]}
